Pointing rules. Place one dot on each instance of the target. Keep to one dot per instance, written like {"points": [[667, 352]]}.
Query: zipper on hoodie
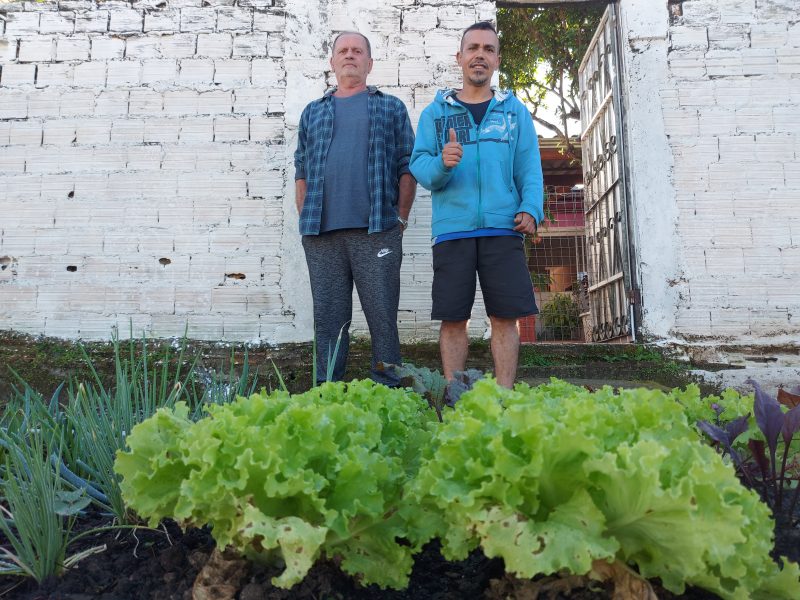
{"points": [[478, 153], [479, 215]]}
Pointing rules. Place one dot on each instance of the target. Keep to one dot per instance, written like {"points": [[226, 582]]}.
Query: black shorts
{"points": [[499, 262]]}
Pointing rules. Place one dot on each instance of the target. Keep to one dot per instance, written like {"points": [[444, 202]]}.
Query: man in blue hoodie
{"points": [[477, 151]]}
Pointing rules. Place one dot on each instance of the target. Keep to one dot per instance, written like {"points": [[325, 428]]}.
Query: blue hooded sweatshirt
{"points": [[500, 173]]}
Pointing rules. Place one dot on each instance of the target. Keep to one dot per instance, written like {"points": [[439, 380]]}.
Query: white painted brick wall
{"points": [[120, 147], [60, 22], [18, 74], [214, 45], [124, 20], [36, 49], [732, 66], [167, 20], [21, 24], [103, 48], [130, 133], [91, 22]]}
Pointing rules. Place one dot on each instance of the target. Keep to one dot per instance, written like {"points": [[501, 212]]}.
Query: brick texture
{"points": [[733, 67], [143, 156], [149, 149]]}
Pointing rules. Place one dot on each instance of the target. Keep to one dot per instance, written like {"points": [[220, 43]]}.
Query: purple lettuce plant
{"points": [[725, 434], [775, 472]]}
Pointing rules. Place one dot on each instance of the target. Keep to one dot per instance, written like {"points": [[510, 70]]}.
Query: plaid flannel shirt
{"points": [[391, 140]]}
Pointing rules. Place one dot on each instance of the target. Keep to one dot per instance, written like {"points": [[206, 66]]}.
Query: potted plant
{"points": [[560, 318], [541, 281]]}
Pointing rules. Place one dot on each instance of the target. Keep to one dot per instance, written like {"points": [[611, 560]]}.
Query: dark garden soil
{"points": [[44, 363], [163, 565]]}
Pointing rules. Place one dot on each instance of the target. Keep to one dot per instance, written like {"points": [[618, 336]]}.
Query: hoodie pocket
{"points": [[458, 200], [499, 193]]}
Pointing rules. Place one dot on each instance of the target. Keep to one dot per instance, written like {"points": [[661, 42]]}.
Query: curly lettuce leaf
{"points": [[319, 473], [154, 465], [298, 541], [571, 537], [556, 477]]}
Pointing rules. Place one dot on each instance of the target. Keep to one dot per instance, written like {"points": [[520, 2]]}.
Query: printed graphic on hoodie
{"points": [[495, 128], [496, 178]]}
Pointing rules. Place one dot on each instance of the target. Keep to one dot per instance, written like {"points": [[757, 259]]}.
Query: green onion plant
{"points": [[38, 511]]}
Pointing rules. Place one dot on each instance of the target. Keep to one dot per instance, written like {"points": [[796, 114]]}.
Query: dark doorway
{"points": [[560, 58]]}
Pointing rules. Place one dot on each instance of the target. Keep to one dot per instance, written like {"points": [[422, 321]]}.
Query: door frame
{"points": [[621, 100]]}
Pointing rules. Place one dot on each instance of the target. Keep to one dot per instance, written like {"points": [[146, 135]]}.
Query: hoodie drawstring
{"points": [[445, 131]]}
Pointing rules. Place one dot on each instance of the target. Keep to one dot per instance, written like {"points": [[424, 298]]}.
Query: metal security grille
{"points": [[604, 192]]}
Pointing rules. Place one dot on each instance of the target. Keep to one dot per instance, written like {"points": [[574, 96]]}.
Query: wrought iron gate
{"points": [[608, 262]]}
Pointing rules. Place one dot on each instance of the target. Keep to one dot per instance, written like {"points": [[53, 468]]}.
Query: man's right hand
{"points": [[299, 194], [452, 151]]}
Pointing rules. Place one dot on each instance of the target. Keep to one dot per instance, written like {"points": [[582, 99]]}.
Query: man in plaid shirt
{"points": [[354, 192]]}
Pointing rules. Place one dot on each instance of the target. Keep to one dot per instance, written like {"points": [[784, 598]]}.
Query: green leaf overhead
{"points": [[541, 51]]}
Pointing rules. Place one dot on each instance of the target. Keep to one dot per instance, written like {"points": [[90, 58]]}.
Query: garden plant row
{"points": [[552, 479]]}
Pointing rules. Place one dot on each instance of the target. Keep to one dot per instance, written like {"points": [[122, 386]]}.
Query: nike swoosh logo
{"points": [[383, 252]]}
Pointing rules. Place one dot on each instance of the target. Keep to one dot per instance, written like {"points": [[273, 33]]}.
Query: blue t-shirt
{"points": [[486, 232], [345, 193]]}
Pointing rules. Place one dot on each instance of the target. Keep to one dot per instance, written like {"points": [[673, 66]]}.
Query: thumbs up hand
{"points": [[452, 151]]}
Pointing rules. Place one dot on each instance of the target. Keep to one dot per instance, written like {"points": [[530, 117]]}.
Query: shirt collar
{"points": [[371, 89]]}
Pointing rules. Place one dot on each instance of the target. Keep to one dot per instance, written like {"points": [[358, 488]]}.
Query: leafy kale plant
{"points": [[432, 385]]}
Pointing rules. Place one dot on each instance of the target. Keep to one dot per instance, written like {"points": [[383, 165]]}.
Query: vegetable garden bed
{"points": [[359, 491]]}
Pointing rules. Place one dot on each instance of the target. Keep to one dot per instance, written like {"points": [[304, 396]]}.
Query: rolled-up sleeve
{"points": [[404, 137], [300, 152]]}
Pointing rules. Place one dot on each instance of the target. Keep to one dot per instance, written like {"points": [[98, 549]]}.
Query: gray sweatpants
{"points": [[336, 260]]}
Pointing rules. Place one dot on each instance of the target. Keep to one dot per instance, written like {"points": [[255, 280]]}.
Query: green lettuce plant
{"points": [[293, 477], [554, 478], [560, 478]]}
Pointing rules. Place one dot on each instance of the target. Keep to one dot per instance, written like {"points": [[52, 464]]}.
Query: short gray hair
{"points": [[366, 39]]}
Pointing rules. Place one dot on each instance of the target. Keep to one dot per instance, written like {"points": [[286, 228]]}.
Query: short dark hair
{"points": [[366, 39], [480, 25]]}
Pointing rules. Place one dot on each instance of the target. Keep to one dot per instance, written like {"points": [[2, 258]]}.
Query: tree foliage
{"points": [[542, 49]]}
